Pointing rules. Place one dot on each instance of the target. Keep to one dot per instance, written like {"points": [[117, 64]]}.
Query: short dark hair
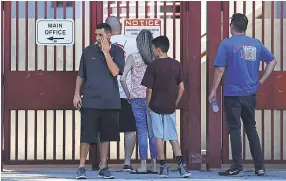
{"points": [[240, 22], [161, 42], [105, 26]]}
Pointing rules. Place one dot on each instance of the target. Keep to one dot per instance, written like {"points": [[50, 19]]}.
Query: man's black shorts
{"points": [[127, 121], [99, 123]]}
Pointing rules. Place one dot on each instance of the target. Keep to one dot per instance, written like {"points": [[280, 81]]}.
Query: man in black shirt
{"points": [[99, 66]]}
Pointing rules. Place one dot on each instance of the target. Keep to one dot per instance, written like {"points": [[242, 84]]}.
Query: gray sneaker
{"points": [[164, 171], [105, 173], [184, 173], [81, 173]]}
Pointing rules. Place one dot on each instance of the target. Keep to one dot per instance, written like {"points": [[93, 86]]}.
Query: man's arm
{"points": [[127, 68], [269, 58], [79, 82], [111, 65], [220, 62], [78, 85], [180, 93], [219, 71]]}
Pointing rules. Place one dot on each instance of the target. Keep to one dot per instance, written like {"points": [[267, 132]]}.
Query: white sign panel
{"points": [[55, 32], [134, 26]]}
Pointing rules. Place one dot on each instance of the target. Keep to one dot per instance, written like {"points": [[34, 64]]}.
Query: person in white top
{"points": [[127, 122]]}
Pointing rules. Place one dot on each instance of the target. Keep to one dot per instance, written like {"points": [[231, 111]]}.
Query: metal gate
{"points": [[267, 24], [40, 123]]}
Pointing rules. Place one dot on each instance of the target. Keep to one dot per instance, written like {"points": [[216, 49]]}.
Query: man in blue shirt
{"points": [[238, 57]]}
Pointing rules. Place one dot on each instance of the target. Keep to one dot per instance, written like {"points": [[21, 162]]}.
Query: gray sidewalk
{"points": [[69, 174]]}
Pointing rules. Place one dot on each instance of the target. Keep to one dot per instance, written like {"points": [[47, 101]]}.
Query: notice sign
{"points": [[55, 32], [134, 26]]}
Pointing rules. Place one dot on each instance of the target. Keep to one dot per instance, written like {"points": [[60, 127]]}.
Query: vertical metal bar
{"points": [[55, 48], [54, 134], [282, 37], [36, 46], [225, 141], [174, 30], [2, 86], [64, 134], [7, 68], [45, 49], [165, 32], [262, 111], [83, 24], [45, 135], [109, 9], [253, 19], [127, 9], [234, 7], [282, 68], [36, 136], [244, 7], [118, 9], [155, 9], [146, 9], [262, 23], [73, 135], [137, 6], [26, 134], [64, 48], [194, 92], [73, 47], [17, 35], [272, 50], [16, 134], [213, 122], [27, 37], [165, 19]]}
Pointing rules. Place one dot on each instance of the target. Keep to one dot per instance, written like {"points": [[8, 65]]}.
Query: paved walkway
{"points": [[62, 174]]}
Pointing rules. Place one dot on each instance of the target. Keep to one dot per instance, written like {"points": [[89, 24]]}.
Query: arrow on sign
{"points": [[52, 38]]}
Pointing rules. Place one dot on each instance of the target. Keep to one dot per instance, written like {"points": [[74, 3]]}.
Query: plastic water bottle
{"points": [[215, 106]]}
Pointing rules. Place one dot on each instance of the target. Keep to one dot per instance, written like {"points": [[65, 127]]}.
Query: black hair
{"points": [[240, 22], [105, 26], [161, 42]]}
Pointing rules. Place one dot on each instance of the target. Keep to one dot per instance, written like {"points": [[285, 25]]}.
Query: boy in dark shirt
{"points": [[164, 81]]}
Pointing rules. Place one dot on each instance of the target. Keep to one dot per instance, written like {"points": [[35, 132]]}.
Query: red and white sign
{"points": [[134, 26]]}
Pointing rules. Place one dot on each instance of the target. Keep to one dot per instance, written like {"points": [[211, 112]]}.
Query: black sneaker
{"points": [[260, 172], [183, 170], [127, 168], [231, 172], [164, 171], [81, 173], [105, 173]]}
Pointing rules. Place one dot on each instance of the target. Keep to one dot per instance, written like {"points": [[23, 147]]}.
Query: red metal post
{"points": [[7, 67], [225, 142], [96, 17], [214, 120], [194, 80]]}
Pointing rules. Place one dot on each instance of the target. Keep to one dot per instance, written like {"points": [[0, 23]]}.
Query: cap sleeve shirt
{"points": [[101, 87], [241, 56]]}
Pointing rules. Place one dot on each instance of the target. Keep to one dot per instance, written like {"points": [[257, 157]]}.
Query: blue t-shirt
{"points": [[241, 56]]}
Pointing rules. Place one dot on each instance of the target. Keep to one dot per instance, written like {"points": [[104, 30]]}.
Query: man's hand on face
{"points": [[105, 46]]}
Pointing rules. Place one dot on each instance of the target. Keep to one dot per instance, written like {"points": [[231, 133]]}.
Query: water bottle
{"points": [[215, 106]]}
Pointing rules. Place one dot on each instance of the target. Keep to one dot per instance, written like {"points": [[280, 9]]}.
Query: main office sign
{"points": [[134, 26], [55, 32]]}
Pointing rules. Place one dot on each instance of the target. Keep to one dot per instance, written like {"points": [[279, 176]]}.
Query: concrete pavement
{"points": [[62, 174]]}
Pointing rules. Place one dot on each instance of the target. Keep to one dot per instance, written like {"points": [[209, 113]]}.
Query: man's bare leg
{"points": [[160, 149], [104, 147], [129, 144], [84, 149], [176, 147]]}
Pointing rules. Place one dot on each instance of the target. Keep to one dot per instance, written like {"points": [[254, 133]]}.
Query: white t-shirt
{"points": [[129, 45]]}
